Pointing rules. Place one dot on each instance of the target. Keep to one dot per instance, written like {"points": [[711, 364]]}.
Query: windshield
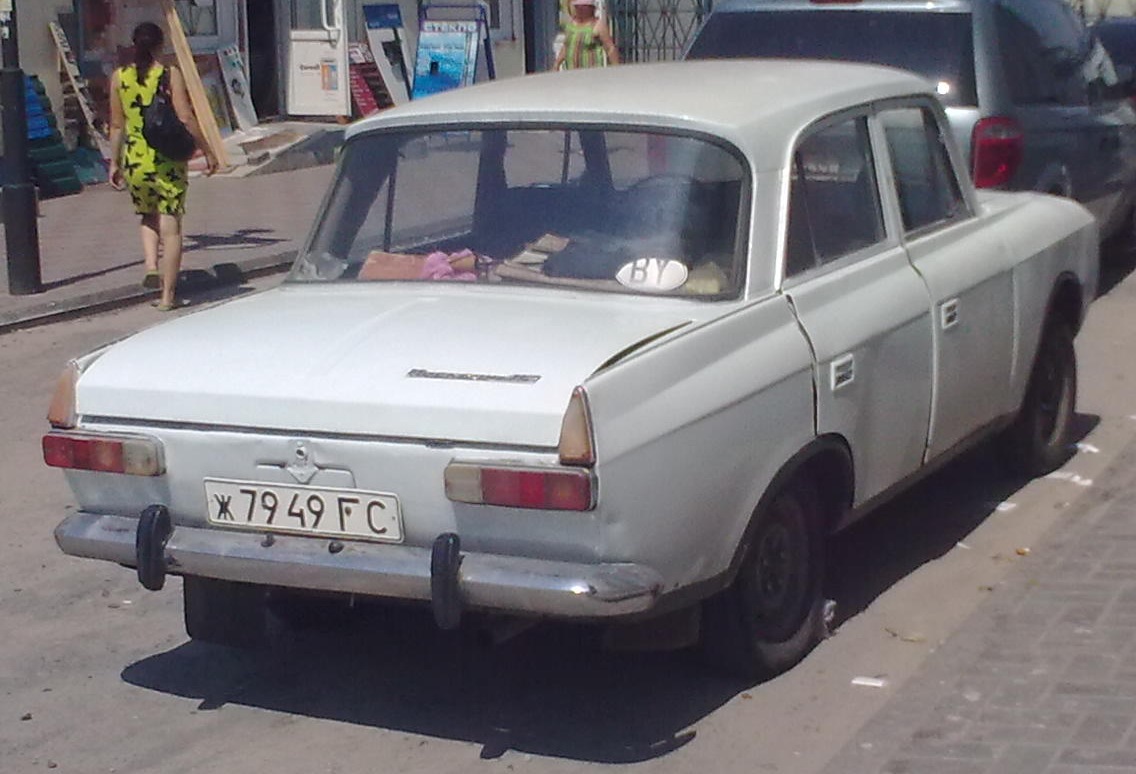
{"points": [[938, 46], [622, 211]]}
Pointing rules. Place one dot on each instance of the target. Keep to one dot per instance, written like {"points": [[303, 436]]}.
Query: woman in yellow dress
{"points": [[157, 184], [587, 40]]}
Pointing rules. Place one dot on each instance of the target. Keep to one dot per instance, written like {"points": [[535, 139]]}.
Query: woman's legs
{"points": [[170, 227], [150, 240]]}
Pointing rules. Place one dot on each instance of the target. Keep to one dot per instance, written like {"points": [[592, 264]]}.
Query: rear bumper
{"points": [[485, 581]]}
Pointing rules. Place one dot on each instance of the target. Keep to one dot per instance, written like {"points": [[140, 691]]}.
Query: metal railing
{"points": [[655, 30]]}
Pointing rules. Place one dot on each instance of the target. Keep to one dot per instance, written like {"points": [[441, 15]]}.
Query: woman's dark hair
{"points": [[148, 39]]}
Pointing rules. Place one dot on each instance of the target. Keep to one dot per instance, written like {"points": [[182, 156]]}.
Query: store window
{"points": [[198, 17]]}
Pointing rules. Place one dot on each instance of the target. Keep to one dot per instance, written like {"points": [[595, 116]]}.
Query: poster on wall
{"points": [[237, 87], [447, 56], [318, 85]]}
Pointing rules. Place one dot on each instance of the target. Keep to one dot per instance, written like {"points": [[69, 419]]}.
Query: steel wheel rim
{"points": [[780, 574], [1050, 396]]}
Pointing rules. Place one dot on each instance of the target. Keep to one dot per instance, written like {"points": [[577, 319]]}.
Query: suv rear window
{"points": [[938, 46]]}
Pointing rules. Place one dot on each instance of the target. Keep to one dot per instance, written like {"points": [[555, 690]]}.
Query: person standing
{"points": [[587, 40], [157, 184]]}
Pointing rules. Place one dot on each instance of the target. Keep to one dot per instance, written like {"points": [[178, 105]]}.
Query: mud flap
{"points": [[445, 596]]}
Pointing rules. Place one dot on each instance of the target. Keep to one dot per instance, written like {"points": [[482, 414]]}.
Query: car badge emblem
{"points": [[300, 463]]}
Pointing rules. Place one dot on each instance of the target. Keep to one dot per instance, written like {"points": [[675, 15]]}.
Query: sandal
{"points": [[178, 303], [152, 280]]}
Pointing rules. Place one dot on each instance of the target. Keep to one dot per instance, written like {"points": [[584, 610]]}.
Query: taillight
{"points": [[577, 446], [127, 454], [556, 489], [996, 151], [61, 412]]}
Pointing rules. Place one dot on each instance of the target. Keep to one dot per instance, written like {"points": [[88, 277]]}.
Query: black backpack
{"points": [[161, 127]]}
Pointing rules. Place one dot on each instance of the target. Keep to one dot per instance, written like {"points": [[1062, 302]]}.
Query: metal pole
{"points": [[21, 230]]}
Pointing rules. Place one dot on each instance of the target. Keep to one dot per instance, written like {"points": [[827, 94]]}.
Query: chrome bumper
{"points": [[485, 581]]}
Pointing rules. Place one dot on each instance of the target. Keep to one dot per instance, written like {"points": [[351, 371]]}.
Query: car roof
{"points": [[930, 6], [758, 105]]}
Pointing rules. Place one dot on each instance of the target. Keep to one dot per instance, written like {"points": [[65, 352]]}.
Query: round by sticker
{"points": [[656, 275]]}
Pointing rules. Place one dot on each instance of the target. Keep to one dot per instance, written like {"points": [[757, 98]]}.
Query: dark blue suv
{"points": [[1033, 97]]}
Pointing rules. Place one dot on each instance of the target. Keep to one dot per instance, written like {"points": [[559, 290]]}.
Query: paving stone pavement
{"points": [[91, 253], [1041, 679]]}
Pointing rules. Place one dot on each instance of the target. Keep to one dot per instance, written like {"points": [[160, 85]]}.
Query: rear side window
{"points": [[925, 183], [1045, 53], [1119, 37], [938, 46], [834, 204]]}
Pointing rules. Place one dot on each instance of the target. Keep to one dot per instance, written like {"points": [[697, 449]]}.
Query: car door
{"points": [[967, 271], [863, 307]]}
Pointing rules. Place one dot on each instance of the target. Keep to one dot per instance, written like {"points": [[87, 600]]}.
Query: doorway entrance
{"points": [[264, 58]]}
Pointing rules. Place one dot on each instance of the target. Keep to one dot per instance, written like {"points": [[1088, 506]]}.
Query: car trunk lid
{"points": [[488, 367]]}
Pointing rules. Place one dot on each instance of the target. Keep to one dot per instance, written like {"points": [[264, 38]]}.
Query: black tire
{"points": [[1040, 438], [772, 614], [227, 613]]}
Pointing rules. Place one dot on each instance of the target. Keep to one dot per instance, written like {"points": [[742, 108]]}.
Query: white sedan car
{"points": [[619, 346]]}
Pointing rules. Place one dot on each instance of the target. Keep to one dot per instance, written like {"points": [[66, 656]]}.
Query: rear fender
{"points": [[827, 465]]}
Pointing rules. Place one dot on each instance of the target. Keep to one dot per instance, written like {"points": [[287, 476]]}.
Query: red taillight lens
{"points": [[545, 489], [130, 455], [996, 151]]}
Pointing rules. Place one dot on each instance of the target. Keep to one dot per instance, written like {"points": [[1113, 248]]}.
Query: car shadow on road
{"points": [[552, 691]]}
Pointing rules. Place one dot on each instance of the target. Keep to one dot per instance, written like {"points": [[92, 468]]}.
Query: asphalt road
{"points": [[97, 675]]}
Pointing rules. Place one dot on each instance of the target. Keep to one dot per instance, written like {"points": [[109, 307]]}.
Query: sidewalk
{"points": [[1042, 678], [91, 255]]}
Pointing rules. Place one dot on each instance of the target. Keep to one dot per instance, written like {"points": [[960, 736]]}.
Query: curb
{"points": [[192, 280]]}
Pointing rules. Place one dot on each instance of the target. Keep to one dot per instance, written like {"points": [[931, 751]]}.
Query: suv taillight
{"points": [[996, 150]]}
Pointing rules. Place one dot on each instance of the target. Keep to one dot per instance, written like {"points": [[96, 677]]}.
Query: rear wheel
{"points": [[771, 616], [1039, 439]]}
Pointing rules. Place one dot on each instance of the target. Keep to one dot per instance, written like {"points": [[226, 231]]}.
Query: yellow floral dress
{"points": [[157, 184]]}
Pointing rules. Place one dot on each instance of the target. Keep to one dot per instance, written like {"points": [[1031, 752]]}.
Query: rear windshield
{"points": [[635, 211], [938, 46]]}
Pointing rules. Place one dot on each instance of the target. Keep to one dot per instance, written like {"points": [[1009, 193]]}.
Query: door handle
{"points": [[842, 371], [949, 314], [333, 22]]}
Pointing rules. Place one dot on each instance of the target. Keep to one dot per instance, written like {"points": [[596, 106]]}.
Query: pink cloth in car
{"points": [[438, 267]]}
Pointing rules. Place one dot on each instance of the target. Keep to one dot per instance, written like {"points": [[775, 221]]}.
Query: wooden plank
{"points": [[205, 118], [79, 86]]}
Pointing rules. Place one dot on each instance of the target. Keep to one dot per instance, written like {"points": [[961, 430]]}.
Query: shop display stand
{"points": [[52, 168], [78, 89], [475, 12], [368, 89]]}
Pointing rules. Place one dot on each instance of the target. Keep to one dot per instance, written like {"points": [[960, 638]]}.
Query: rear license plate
{"points": [[304, 510]]}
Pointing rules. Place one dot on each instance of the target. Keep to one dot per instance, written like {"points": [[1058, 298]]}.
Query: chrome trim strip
{"points": [[95, 423], [422, 373]]}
